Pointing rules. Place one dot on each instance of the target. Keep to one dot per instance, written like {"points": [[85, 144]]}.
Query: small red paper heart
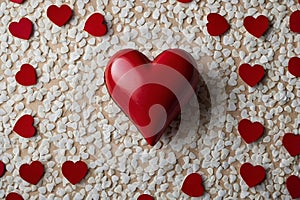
{"points": [[295, 21], [251, 75], [95, 25], [294, 66], [21, 29], [192, 185], [74, 172], [293, 186], [24, 126], [252, 175], [249, 131], [185, 1], [17, 1], [2, 168], [256, 27], [32, 173], [26, 76], [59, 15], [145, 197], [217, 24], [14, 196], [291, 142]]}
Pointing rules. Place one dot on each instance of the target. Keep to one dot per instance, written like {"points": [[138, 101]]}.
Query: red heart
{"points": [[217, 24], [185, 1], [145, 197], [249, 131], [251, 75], [292, 143], [59, 15], [192, 185], [26, 76], [294, 66], [2, 168], [32, 173], [293, 185], [252, 175], [24, 126], [17, 1], [95, 25], [138, 85], [294, 21], [257, 27], [14, 196], [21, 29], [74, 172]]}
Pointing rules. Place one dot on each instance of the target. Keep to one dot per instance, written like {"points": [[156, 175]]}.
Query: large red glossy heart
{"points": [[294, 66], [151, 93], [95, 25], [21, 29], [293, 186], [251, 75], [292, 143], [26, 76], [295, 21], [24, 126], [256, 27], [192, 185], [32, 173], [59, 15], [2, 168], [145, 197], [249, 131], [252, 175], [217, 24], [14, 196], [74, 172], [17, 1]]}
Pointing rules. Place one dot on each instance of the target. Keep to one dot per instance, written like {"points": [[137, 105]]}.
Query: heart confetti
{"points": [[74, 172], [59, 15], [24, 126], [26, 76], [291, 142], [95, 25], [294, 66], [17, 1], [21, 29], [252, 175], [295, 21], [14, 196], [137, 98], [251, 75], [217, 24], [192, 185], [293, 185], [2, 168], [32, 173], [145, 197], [256, 27], [249, 131]]}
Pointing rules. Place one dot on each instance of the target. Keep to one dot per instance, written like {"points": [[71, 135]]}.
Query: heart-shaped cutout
{"points": [[21, 29], [95, 25], [32, 173], [24, 126], [74, 172], [295, 21], [17, 1], [143, 92], [14, 196], [293, 186], [2, 168], [252, 175], [26, 76], [59, 15], [249, 131], [251, 75], [291, 142], [294, 66], [217, 24], [256, 27], [192, 185], [145, 197]]}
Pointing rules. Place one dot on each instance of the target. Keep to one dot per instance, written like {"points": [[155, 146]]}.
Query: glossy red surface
{"points": [[147, 91]]}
